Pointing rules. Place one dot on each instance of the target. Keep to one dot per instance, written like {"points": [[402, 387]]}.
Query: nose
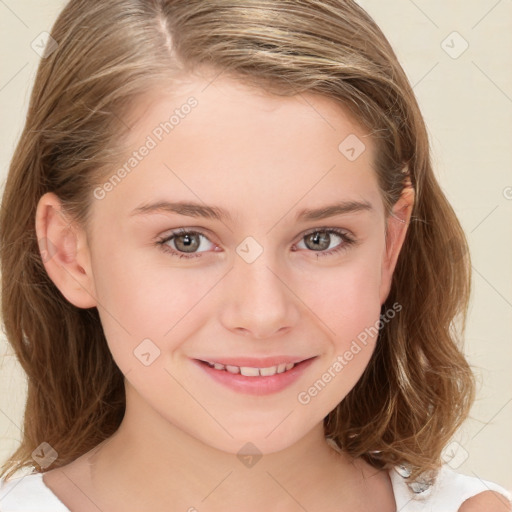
{"points": [[258, 302]]}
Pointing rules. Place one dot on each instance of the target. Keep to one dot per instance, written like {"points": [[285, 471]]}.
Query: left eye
{"points": [[318, 240], [186, 242]]}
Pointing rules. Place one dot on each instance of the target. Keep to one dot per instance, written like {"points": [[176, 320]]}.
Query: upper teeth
{"points": [[253, 372]]}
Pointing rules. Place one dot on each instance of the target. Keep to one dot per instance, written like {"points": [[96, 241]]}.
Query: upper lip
{"points": [[255, 362]]}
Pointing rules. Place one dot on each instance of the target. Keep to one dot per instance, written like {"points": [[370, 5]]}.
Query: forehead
{"points": [[219, 140], [225, 103]]}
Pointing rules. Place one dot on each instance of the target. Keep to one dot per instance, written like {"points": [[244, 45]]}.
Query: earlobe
{"points": [[64, 252], [397, 226]]}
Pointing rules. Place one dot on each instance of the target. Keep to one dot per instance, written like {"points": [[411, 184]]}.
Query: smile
{"points": [[254, 380], [248, 371]]}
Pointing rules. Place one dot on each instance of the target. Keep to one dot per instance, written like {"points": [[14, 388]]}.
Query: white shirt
{"points": [[29, 493]]}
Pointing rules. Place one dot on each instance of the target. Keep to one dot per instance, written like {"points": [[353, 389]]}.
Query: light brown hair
{"points": [[417, 388]]}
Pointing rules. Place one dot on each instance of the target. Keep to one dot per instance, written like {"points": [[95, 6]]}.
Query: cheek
{"points": [[139, 300], [346, 297], [349, 308]]}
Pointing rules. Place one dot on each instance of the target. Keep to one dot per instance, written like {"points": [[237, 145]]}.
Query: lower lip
{"points": [[256, 385]]}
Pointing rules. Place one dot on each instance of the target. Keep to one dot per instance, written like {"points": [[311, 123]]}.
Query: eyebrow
{"points": [[191, 209]]}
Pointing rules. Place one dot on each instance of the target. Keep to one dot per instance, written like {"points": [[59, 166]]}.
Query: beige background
{"points": [[466, 98]]}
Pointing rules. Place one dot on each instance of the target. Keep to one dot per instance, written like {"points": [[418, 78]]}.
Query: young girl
{"points": [[228, 269]]}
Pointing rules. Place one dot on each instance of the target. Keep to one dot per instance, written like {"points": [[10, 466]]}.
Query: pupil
{"points": [[318, 238], [187, 242]]}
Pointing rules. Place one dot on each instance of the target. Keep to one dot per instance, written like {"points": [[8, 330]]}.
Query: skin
{"points": [[263, 158]]}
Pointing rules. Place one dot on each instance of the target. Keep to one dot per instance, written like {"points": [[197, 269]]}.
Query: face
{"points": [[260, 271]]}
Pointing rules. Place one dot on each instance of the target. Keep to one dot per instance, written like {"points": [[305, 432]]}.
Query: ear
{"points": [[65, 252], [396, 229]]}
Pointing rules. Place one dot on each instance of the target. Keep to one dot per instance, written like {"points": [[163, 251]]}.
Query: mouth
{"points": [[254, 371], [262, 376]]}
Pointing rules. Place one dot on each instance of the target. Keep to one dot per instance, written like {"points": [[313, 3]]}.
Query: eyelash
{"points": [[347, 242]]}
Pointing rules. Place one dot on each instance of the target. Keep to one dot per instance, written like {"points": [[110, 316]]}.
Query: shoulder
{"points": [[28, 492], [487, 501], [451, 492]]}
